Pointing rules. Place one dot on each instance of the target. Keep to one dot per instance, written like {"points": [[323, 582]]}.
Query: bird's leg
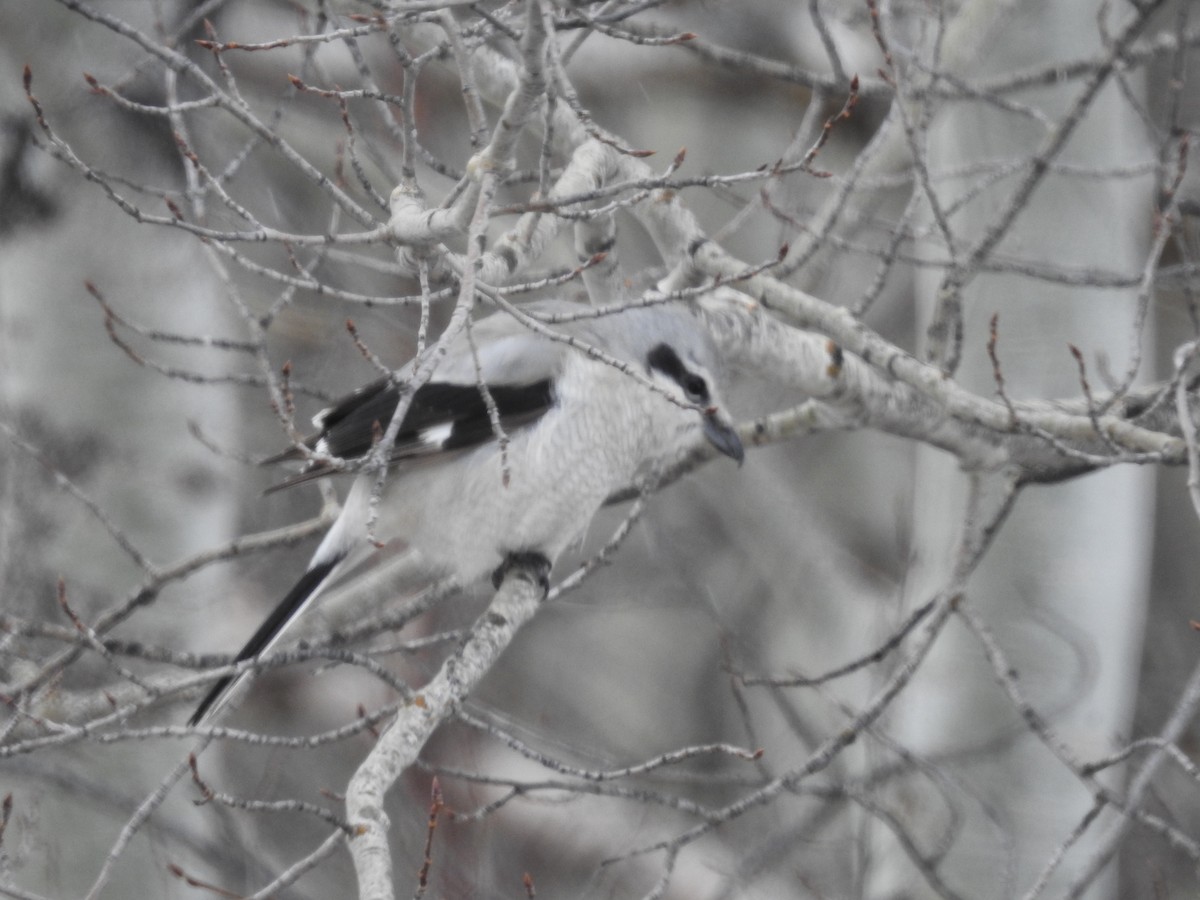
{"points": [[533, 564]]}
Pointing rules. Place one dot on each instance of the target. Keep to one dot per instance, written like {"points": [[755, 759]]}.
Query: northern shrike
{"points": [[512, 446]]}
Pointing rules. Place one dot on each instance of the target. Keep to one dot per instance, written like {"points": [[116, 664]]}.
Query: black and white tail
{"points": [[269, 632]]}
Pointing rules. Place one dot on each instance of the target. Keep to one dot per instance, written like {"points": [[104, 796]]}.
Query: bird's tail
{"points": [[271, 630]]}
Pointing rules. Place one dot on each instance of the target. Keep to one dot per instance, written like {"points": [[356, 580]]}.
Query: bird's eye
{"points": [[667, 361], [695, 387]]}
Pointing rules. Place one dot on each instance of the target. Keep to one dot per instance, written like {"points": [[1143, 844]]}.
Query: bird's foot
{"points": [[532, 564]]}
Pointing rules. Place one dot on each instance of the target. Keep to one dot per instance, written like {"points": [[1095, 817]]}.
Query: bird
{"points": [[507, 452]]}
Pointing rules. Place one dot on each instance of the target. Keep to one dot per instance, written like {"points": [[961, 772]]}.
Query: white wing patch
{"points": [[435, 435]]}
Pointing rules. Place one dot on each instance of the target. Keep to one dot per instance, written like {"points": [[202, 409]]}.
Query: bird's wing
{"points": [[450, 412], [443, 416]]}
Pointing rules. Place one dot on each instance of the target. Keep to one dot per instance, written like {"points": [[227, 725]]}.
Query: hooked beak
{"points": [[721, 434]]}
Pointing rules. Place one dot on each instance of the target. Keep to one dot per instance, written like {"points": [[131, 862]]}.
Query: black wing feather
{"points": [[464, 408], [352, 426]]}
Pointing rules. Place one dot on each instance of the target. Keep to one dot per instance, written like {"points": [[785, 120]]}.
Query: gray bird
{"points": [[579, 429]]}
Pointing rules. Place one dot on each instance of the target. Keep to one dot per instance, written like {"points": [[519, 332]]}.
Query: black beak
{"points": [[722, 435]]}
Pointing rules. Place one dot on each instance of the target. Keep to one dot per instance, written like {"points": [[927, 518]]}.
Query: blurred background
{"points": [[809, 557]]}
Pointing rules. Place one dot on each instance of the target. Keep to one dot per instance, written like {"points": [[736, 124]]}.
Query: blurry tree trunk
{"points": [[1064, 588], [49, 348], [119, 432]]}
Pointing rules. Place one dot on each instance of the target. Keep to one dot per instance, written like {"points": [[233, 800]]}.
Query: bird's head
{"points": [[686, 374]]}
